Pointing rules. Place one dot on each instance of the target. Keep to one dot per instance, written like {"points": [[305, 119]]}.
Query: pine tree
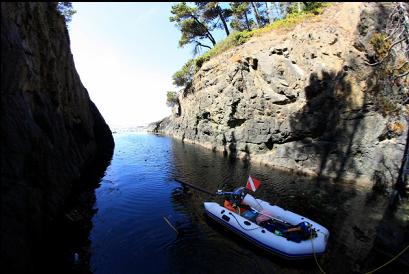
{"points": [[241, 20], [193, 28], [211, 12]]}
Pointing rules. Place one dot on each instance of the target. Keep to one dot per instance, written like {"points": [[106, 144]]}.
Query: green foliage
{"points": [[201, 59], [289, 22], [293, 19], [188, 20], [235, 39], [260, 13], [386, 105], [293, 8], [240, 13], [184, 77], [66, 10], [172, 98], [315, 7], [307, 7], [214, 15], [380, 44]]}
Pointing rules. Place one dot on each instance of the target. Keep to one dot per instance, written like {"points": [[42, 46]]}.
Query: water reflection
{"points": [[130, 233]]}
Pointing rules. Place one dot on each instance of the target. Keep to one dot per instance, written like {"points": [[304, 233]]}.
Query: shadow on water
{"points": [[129, 231], [330, 125], [204, 246], [69, 248], [226, 252]]}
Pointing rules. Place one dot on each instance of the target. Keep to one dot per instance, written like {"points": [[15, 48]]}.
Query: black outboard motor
{"points": [[235, 196]]}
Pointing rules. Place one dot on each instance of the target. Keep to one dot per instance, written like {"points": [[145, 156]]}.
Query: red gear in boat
{"points": [[229, 206]]}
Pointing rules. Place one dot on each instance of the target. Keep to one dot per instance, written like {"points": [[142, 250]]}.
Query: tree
{"points": [[256, 14], [172, 98], [240, 12], [282, 8], [260, 14], [392, 50], [211, 11], [193, 30], [184, 77], [66, 10], [397, 39], [268, 13], [312, 6]]}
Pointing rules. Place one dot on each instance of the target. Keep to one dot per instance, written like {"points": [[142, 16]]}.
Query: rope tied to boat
{"points": [[388, 262], [313, 250], [369, 272]]}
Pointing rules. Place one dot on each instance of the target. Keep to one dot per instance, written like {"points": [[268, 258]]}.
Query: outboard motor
{"points": [[235, 195]]}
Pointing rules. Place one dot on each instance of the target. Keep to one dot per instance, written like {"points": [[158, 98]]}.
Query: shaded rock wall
{"points": [[299, 100], [51, 132]]}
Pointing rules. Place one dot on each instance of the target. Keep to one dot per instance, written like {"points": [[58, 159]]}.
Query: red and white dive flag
{"points": [[253, 184]]}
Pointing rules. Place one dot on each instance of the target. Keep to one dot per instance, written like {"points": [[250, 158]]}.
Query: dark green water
{"points": [[129, 233]]}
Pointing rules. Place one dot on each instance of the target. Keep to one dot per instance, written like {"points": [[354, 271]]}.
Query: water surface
{"points": [[129, 233]]}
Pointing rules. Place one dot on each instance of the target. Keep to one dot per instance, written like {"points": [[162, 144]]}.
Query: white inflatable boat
{"points": [[284, 233]]}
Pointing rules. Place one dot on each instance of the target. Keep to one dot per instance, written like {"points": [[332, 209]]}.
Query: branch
{"points": [[209, 35], [202, 45], [389, 52], [401, 66], [401, 75]]}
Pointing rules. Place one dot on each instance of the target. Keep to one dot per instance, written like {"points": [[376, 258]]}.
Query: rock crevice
{"points": [[298, 100]]}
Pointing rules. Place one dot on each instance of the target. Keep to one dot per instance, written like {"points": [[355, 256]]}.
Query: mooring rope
{"points": [[369, 272], [388, 262], [313, 250]]}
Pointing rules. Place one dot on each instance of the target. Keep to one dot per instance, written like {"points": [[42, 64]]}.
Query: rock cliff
{"points": [[301, 100], [52, 135]]}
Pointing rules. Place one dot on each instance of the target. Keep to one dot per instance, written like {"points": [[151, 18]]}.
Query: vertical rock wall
{"points": [[301, 99], [51, 132]]}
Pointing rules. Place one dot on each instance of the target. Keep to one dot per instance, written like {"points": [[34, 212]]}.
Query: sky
{"points": [[126, 54]]}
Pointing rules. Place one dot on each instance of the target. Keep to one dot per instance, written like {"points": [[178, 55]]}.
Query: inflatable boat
{"points": [[271, 227]]}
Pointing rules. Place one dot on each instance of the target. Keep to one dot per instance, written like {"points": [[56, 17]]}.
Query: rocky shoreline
{"points": [[301, 100]]}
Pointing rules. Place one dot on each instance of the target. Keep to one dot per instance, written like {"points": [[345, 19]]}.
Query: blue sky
{"points": [[125, 54]]}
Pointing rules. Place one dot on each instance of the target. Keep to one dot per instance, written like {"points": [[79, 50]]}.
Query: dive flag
{"points": [[253, 184]]}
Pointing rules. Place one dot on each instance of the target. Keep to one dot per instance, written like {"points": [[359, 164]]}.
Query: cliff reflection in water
{"points": [[140, 188], [344, 209]]}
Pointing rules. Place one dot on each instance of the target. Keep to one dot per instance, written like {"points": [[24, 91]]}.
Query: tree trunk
{"points": [[247, 21], [208, 34], [202, 45], [219, 11], [268, 13], [256, 14], [278, 10]]}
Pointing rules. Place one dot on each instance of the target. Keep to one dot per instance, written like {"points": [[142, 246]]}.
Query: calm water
{"points": [[129, 233]]}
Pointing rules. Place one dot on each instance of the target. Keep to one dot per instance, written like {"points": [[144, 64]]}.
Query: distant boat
{"points": [[271, 227]]}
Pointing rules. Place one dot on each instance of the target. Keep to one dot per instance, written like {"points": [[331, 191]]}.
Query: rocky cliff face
{"points": [[52, 135], [299, 100]]}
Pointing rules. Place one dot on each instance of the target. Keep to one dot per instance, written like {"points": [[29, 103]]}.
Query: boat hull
{"points": [[267, 240]]}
